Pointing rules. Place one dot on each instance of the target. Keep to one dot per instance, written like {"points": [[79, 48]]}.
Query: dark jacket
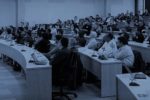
{"points": [[67, 65], [43, 46]]}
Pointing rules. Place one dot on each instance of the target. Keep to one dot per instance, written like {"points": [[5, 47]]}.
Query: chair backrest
{"points": [[75, 67], [139, 64], [69, 71]]}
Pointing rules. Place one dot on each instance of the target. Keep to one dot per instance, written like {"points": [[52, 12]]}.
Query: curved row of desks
{"points": [[104, 70], [38, 77]]}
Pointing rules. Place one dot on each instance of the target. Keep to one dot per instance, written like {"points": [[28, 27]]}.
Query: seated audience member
{"points": [[107, 20], [124, 52], [53, 31], [76, 20], [139, 37], [109, 47], [87, 27], [58, 40], [1, 31], [99, 29], [57, 47], [67, 64], [111, 26], [48, 32], [7, 34], [72, 43], [146, 13], [92, 42], [19, 37], [28, 38], [141, 26], [81, 41], [124, 34], [38, 37], [60, 30], [61, 54], [43, 45], [61, 57]]}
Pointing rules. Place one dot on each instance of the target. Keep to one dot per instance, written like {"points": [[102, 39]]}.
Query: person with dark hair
{"points": [[60, 31], [1, 31], [9, 35], [139, 37], [66, 67], [53, 31], [124, 33], [109, 47], [87, 27], [48, 31], [60, 57], [81, 41], [28, 38], [43, 45], [58, 39], [19, 37], [146, 13], [55, 48], [64, 42], [124, 52]]}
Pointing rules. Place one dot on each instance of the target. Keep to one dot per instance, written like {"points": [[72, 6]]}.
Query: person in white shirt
{"points": [[109, 47], [76, 20], [108, 18], [124, 53], [7, 34], [3, 35], [92, 42], [53, 31]]}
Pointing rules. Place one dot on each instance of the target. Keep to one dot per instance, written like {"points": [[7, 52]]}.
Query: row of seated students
{"points": [[40, 39], [127, 21], [39, 36]]}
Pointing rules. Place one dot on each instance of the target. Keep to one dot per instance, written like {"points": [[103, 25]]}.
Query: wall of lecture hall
{"points": [[7, 12], [44, 11], [118, 6], [141, 6]]}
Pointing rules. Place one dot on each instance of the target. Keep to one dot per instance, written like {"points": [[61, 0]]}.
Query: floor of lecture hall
{"points": [[12, 87]]}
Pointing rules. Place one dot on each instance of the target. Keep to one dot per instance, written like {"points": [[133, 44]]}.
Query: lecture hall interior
{"points": [[74, 50]]}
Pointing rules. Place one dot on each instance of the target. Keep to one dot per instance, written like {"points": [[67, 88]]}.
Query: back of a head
{"points": [[123, 40], [82, 42], [58, 37], [126, 35], [110, 36], [45, 36], [8, 30], [81, 34], [64, 42]]}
